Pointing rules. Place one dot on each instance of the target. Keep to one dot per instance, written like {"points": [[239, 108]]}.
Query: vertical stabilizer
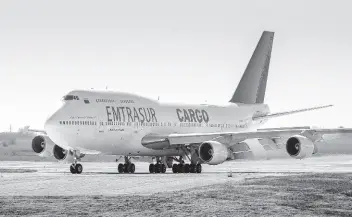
{"points": [[251, 88]]}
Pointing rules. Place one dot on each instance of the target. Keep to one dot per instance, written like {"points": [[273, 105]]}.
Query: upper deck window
{"points": [[71, 97]]}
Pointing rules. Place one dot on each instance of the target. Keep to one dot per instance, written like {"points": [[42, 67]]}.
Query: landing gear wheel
{"points": [[157, 168], [175, 168], [131, 168], [181, 168], [163, 168], [192, 168], [151, 168], [120, 168], [79, 168], [186, 168], [198, 168], [73, 169]]}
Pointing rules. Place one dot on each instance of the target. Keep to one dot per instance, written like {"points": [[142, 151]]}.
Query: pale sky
{"points": [[183, 51]]}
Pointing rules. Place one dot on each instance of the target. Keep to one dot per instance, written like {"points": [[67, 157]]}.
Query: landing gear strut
{"points": [[127, 167], [159, 167]]}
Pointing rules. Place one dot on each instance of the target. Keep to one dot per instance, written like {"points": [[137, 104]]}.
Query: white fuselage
{"points": [[115, 123]]}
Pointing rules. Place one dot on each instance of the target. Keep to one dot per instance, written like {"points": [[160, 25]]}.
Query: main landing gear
{"points": [[127, 167], [186, 168], [181, 167], [159, 167]]}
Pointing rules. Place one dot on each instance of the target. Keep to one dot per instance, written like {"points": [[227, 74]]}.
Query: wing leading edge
{"points": [[236, 137]]}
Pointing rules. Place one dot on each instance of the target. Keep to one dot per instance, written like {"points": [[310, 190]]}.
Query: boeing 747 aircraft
{"points": [[126, 124]]}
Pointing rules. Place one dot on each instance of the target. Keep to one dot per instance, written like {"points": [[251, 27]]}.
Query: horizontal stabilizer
{"points": [[284, 128], [273, 115]]}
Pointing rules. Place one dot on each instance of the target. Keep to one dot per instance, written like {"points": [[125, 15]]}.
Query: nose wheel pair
{"points": [[76, 168]]}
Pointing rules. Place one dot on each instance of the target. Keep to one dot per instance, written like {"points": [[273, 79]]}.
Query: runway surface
{"points": [[319, 186], [54, 179]]}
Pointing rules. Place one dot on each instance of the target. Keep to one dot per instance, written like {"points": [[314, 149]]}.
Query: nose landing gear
{"points": [[76, 168]]}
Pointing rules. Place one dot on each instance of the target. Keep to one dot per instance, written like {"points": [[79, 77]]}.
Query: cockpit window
{"points": [[68, 97], [71, 97]]}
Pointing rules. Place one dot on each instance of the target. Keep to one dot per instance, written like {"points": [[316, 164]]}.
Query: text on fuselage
{"points": [[192, 115], [130, 114]]}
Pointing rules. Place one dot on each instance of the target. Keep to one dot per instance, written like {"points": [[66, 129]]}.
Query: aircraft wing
{"points": [[236, 137], [37, 131]]}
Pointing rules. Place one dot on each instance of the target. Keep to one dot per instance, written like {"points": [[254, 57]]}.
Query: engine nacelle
{"points": [[299, 147], [43, 146], [213, 152], [61, 154]]}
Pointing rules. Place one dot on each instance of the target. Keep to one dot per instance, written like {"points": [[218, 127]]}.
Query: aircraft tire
{"points": [[151, 168], [73, 169], [131, 168], [163, 168], [192, 168], [120, 168], [175, 168], [198, 168], [79, 168], [181, 168], [186, 168], [157, 168]]}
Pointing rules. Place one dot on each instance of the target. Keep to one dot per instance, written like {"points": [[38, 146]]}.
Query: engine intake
{"points": [[213, 152], [299, 147], [59, 153], [42, 145], [38, 144]]}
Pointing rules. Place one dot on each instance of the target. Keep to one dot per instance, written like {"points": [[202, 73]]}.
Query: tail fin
{"points": [[251, 88]]}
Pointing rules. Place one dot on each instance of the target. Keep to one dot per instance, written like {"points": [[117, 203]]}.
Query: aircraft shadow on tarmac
{"points": [[170, 173]]}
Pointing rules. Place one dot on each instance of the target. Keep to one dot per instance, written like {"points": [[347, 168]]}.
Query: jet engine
{"points": [[213, 152], [43, 146], [299, 147], [61, 154]]}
